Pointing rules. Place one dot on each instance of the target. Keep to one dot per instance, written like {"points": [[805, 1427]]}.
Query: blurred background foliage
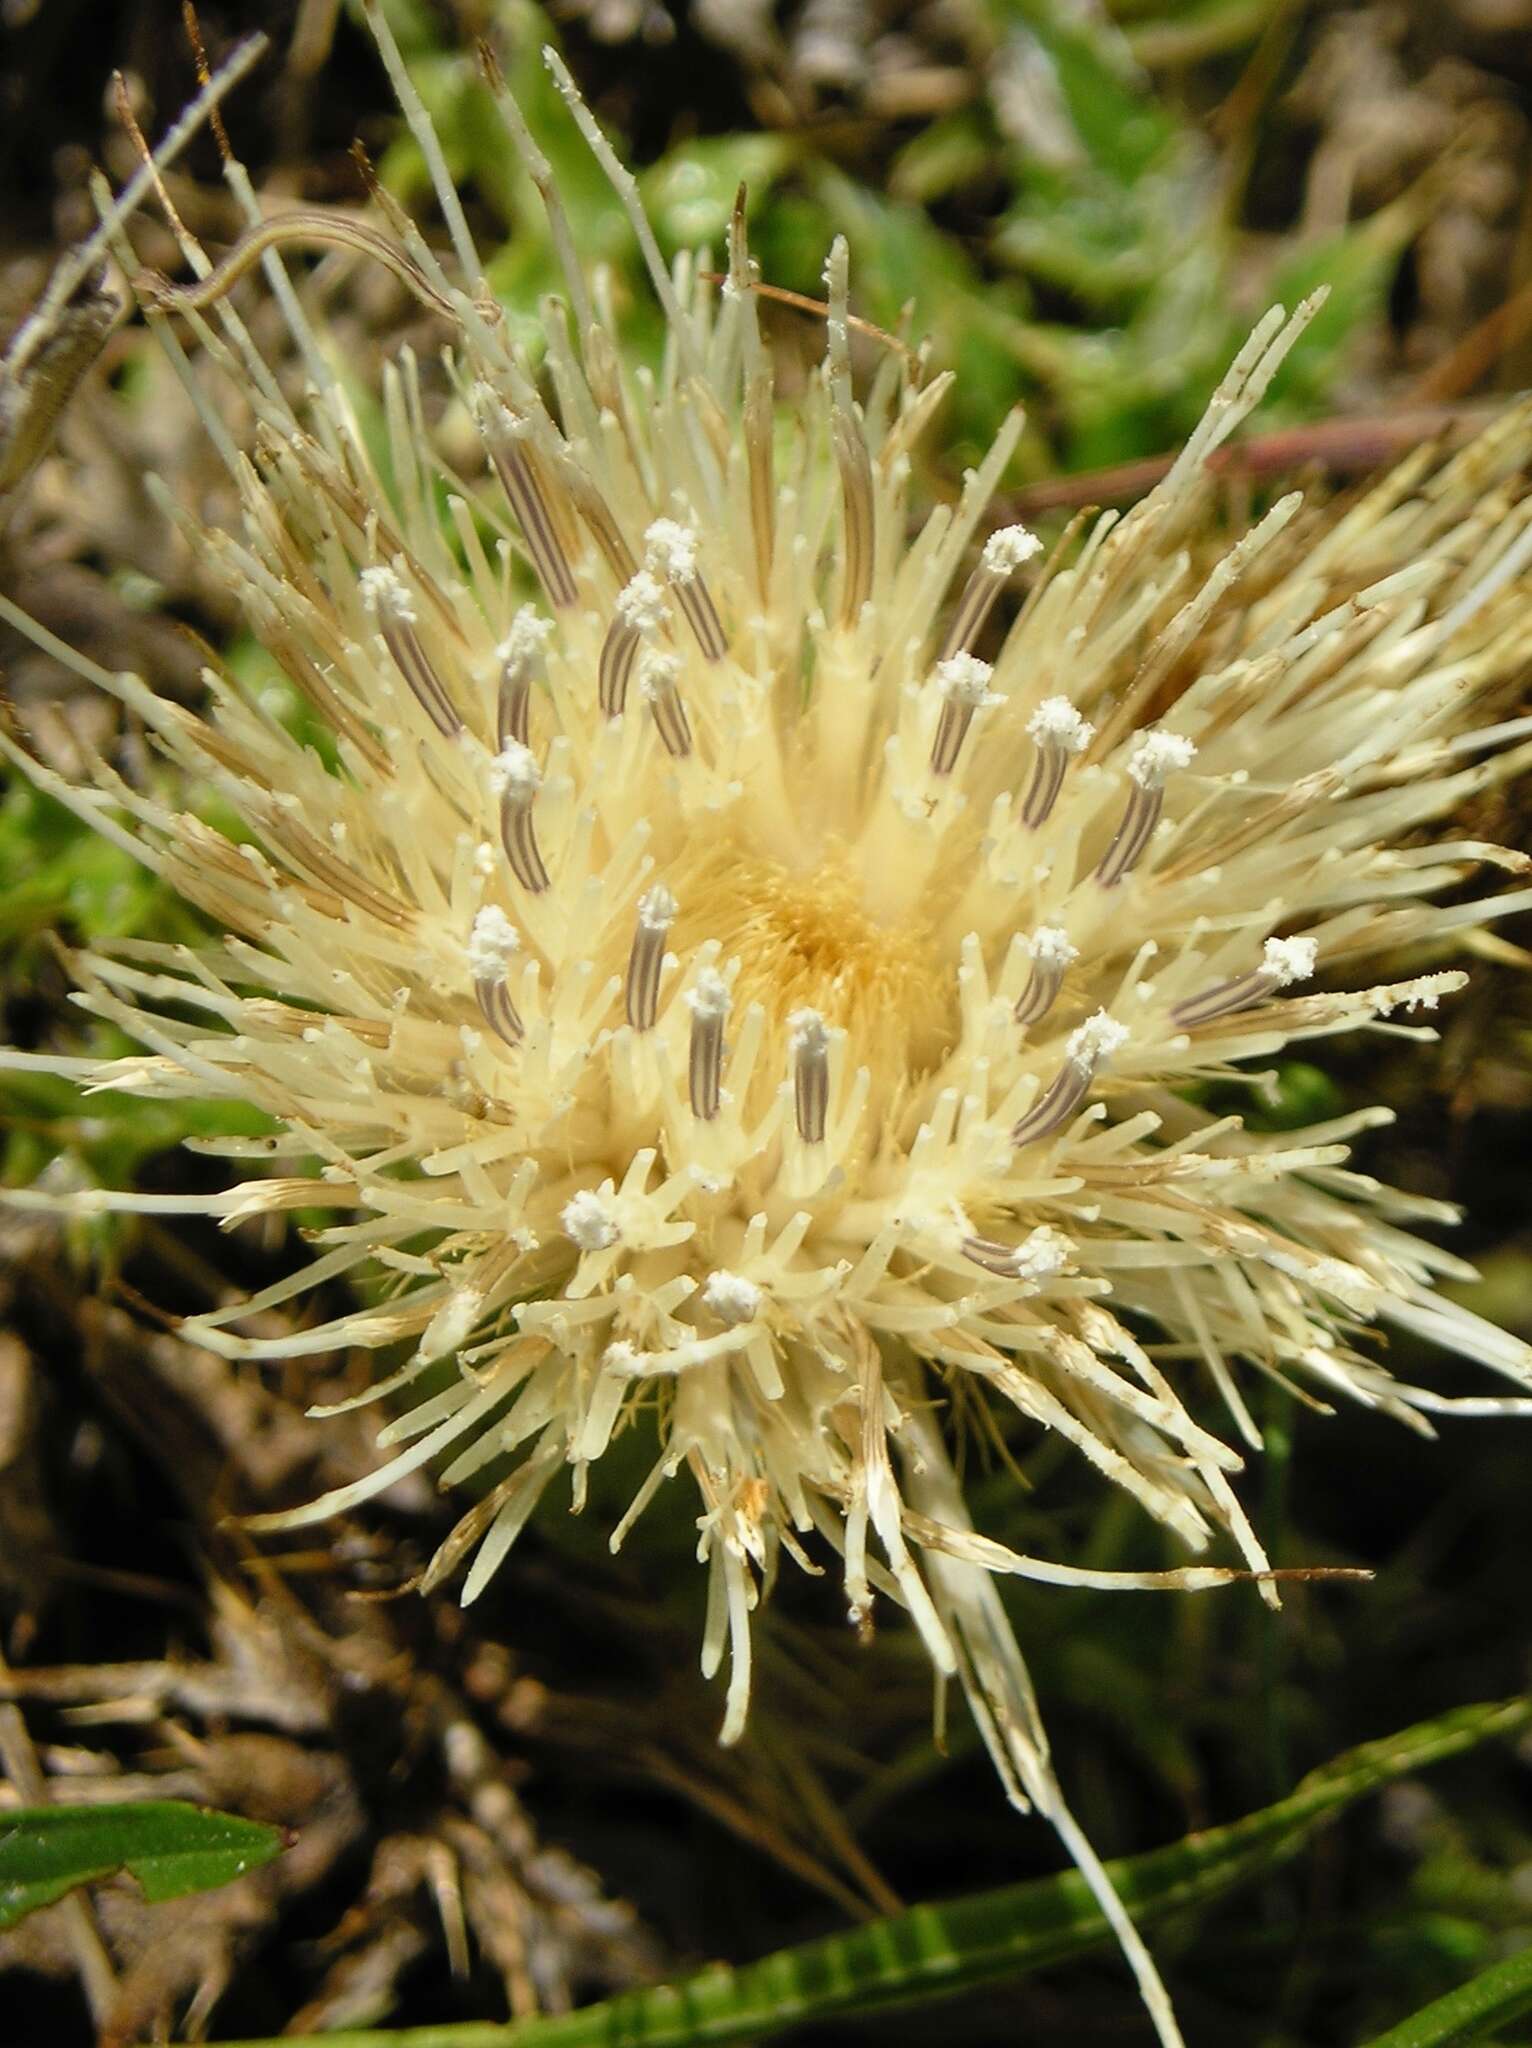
{"points": [[1080, 208]]}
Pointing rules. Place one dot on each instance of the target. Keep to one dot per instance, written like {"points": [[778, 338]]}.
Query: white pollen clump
{"points": [[807, 1032], [590, 1220], [623, 1357], [657, 909], [671, 550], [1043, 1254], [964, 679], [1049, 947], [1056, 723], [709, 997], [529, 634], [1095, 1040], [1290, 959], [514, 773], [491, 943], [1156, 754], [658, 672], [1007, 548], [731, 1298], [385, 594], [641, 604]]}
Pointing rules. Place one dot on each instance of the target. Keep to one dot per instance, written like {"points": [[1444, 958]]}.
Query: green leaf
{"points": [[936, 1950], [170, 1847], [689, 196], [1502, 1992]]}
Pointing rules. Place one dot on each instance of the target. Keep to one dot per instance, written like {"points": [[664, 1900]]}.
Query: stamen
{"points": [[1084, 1051], [657, 910], [640, 610], [732, 1299], [600, 522], [515, 777], [858, 513], [1051, 955], [518, 655], [1040, 1256], [809, 1042], [672, 554], [657, 673], [759, 417], [386, 596], [1057, 730], [1155, 755], [491, 943], [590, 1219], [964, 684], [709, 1005], [525, 483], [1004, 552], [1284, 961]]}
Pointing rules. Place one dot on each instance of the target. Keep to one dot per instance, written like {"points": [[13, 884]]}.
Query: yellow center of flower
{"points": [[804, 940]]}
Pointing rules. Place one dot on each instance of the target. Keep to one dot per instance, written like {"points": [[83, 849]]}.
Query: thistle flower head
{"points": [[700, 970]]}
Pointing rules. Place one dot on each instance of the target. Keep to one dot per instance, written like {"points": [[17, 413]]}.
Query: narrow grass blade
{"points": [[1500, 1993]]}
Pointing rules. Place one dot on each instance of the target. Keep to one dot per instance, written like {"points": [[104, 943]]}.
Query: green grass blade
{"points": [[1502, 1992], [170, 1847], [935, 1950]]}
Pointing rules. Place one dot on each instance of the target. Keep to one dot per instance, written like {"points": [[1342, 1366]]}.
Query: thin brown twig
{"points": [[205, 77], [804, 304], [1481, 348], [1349, 447], [140, 142]]}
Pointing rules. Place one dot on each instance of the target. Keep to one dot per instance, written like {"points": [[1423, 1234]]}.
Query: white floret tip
{"points": [[1041, 1256], [671, 550], [671, 554], [641, 606], [1153, 758], [731, 1298], [526, 480], [658, 674], [1057, 732], [590, 1221], [386, 596], [1289, 960], [1007, 548], [1283, 961], [963, 682], [519, 654], [639, 611], [657, 911], [1086, 1050], [708, 1002], [1052, 956], [516, 778], [1002, 554], [491, 943]]}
